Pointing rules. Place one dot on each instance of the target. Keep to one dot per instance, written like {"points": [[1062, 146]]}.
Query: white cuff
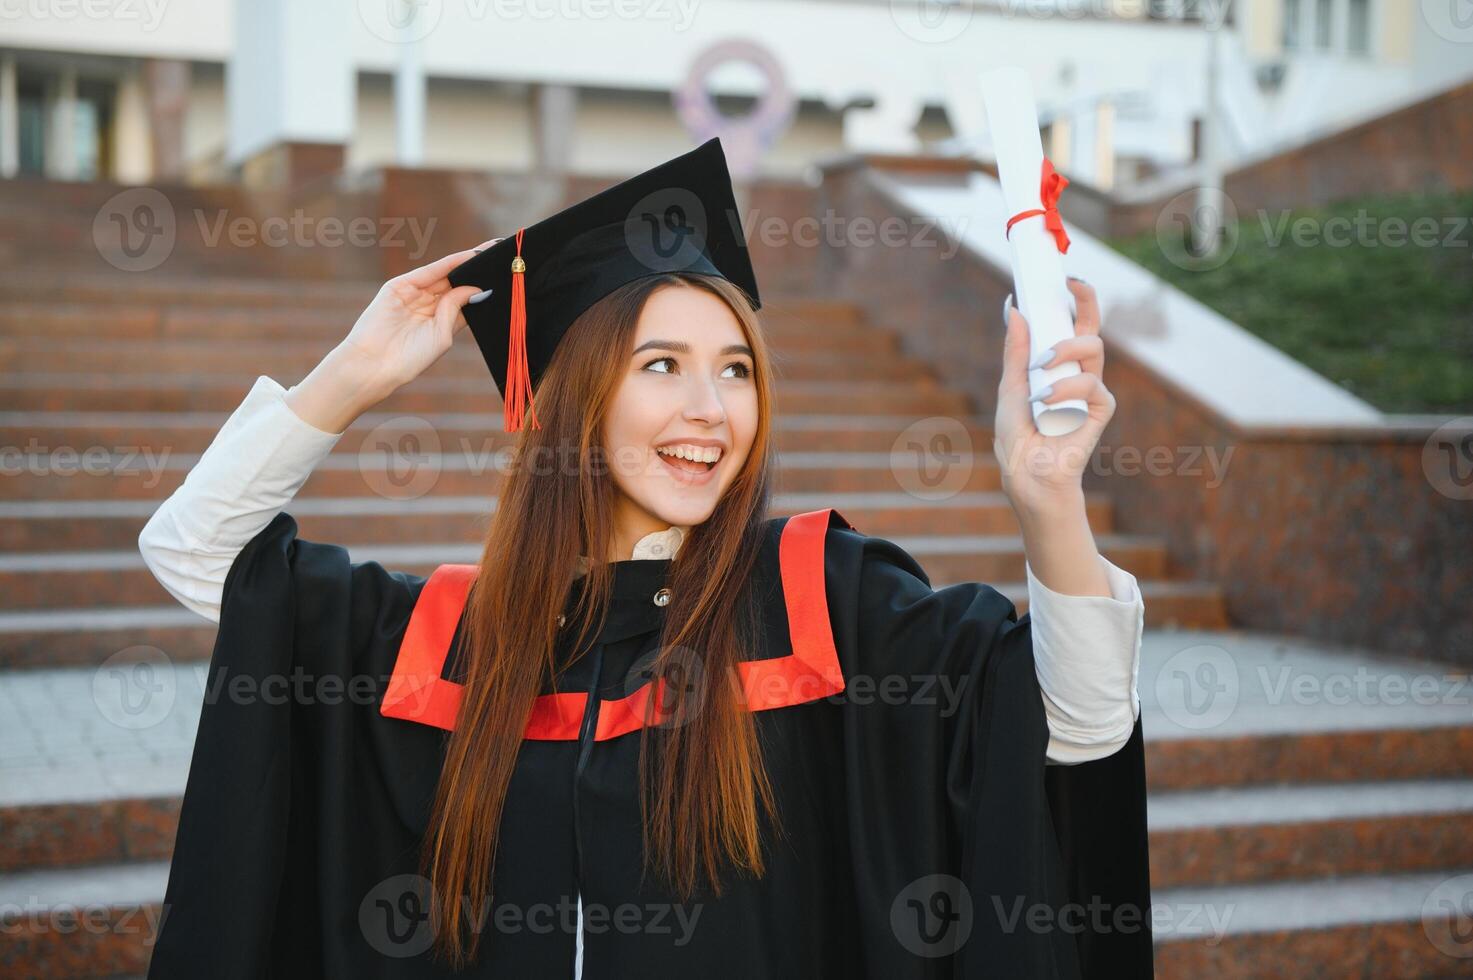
{"points": [[1087, 652]]}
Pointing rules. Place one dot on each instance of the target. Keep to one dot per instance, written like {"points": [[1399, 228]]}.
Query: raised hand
{"points": [[407, 327], [1040, 471]]}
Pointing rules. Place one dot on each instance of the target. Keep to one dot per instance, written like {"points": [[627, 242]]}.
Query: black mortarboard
{"points": [[678, 216]]}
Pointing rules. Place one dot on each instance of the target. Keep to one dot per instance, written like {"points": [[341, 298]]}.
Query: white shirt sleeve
{"points": [[1087, 654], [251, 470]]}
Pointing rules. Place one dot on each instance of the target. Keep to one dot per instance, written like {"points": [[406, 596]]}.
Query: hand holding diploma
{"points": [[1035, 233], [1043, 474]]}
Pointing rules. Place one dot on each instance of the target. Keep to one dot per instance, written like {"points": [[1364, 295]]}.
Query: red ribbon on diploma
{"points": [[1053, 184]]}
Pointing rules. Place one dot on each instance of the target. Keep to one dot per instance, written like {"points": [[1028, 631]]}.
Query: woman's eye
{"points": [[736, 370], [663, 365]]}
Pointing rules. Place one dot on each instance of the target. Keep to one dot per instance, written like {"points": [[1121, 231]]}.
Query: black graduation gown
{"points": [[922, 834]]}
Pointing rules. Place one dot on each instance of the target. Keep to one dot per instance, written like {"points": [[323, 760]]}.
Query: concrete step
{"points": [[99, 921], [61, 637], [290, 361], [43, 392], [1402, 925], [123, 731], [69, 525], [1233, 835], [1366, 926], [54, 441], [1362, 878], [842, 325], [216, 291], [78, 580], [338, 296], [342, 474], [1238, 708]]}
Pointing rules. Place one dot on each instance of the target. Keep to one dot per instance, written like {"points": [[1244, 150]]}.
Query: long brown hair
{"points": [[704, 789]]}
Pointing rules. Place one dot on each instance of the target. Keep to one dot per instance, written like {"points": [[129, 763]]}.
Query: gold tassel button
{"points": [[517, 265]]}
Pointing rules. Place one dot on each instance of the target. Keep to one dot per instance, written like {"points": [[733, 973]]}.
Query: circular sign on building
{"points": [[747, 137]]}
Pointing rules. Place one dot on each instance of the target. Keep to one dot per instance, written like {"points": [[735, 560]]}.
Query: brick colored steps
{"points": [[50, 580], [1274, 880], [60, 526], [1363, 926], [67, 318], [128, 434], [63, 636], [343, 474], [84, 392], [289, 361], [1233, 835]]}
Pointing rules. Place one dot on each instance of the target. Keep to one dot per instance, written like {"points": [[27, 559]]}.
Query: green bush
{"points": [[1391, 322]]}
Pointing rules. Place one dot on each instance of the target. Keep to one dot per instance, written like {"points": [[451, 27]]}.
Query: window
{"points": [[1323, 14], [1292, 15], [1358, 30]]}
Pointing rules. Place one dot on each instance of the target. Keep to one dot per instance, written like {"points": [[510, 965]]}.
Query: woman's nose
{"points": [[703, 403]]}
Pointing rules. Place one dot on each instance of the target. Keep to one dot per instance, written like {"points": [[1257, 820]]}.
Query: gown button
{"points": [[662, 598]]}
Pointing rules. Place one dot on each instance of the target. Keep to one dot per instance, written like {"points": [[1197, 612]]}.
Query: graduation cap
{"points": [[680, 216]]}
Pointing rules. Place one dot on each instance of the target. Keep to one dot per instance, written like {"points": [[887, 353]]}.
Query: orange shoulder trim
{"points": [[417, 692]]}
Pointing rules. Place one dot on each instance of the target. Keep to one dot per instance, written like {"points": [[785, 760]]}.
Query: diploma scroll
{"points": [[1039, 290]]}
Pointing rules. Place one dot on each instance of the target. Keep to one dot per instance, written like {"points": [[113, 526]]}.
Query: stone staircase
{"points": [[1314, 840]]}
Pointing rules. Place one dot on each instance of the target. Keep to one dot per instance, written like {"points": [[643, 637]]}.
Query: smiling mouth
{"points": [[688, 459]]}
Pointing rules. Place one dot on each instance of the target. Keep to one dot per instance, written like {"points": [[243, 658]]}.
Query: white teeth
{"points": [[698, 454]]}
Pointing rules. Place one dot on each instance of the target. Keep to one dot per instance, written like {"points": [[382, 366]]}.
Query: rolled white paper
{"points": [[1039, 290]]}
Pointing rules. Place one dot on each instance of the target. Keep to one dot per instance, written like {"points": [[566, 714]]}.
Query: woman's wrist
{"points": [[1060, 546], [338, 390], [1039, 507]]}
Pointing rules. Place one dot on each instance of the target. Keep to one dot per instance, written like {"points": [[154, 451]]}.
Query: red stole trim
{"points": [[417, 692]]}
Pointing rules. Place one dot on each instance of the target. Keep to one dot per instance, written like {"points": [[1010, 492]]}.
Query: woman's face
{"points": [[684, 416]]}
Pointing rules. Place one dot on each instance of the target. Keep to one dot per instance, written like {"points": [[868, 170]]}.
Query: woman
{"points": [[652, 732]]}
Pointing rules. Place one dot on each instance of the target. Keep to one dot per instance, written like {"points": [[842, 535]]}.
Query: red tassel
{"points": [[518, 396]]}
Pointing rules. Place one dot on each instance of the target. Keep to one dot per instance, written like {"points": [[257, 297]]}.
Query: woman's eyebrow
{"points": [[681, 347]]}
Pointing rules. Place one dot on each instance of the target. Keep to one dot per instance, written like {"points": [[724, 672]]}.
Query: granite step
{"points": [[1231, 835], [57, 439], [67, 525], [1368, 877], [58, 637], [77, 392], [289, 361], [1402, 925], [59, 580], [838, 326], [124, 476], [337, 295]]}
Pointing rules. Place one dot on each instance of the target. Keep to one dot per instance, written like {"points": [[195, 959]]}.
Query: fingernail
{"points": [[1042, 394], [479, 296], [1044, 356], [1007, 307], [1079, 280]]}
